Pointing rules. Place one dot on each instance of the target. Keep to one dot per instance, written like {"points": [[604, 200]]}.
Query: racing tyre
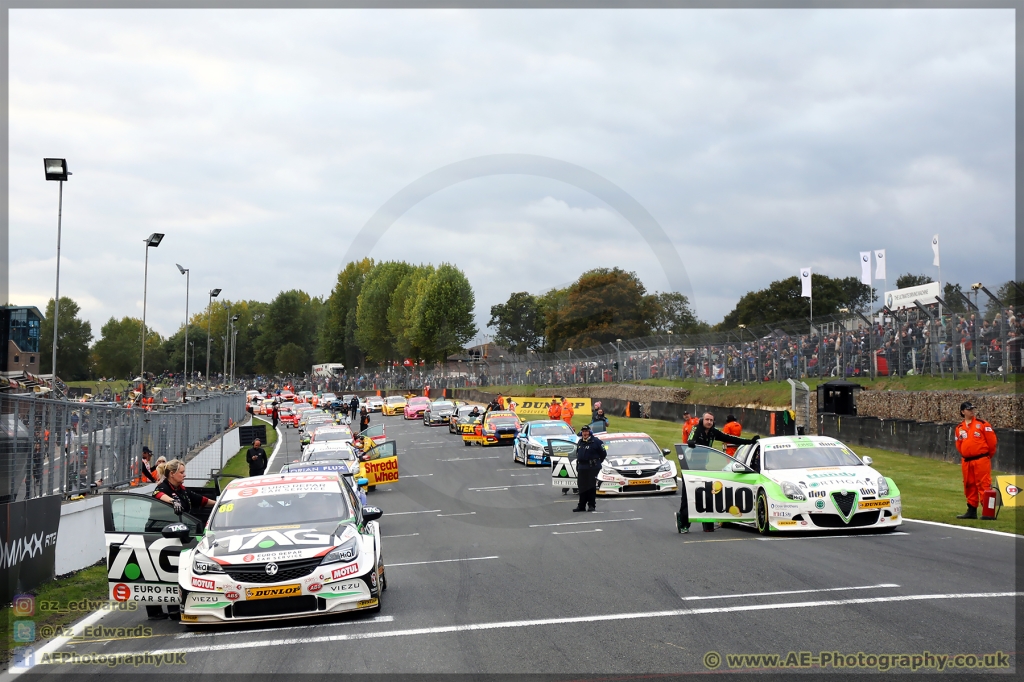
{"points": [[761, 507], [466, 443]]}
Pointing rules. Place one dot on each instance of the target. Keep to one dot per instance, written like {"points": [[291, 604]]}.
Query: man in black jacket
{"points": [[256, 458], [703, 434], [589, 457]]}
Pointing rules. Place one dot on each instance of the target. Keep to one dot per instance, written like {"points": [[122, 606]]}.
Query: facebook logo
{"points": [[23, 657]]}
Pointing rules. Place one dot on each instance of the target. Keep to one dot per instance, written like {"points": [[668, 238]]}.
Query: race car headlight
{"points": [[347, 551], [792, 492], [203, 565], [883, 487], [489, 431], [608, 471], [667, 466]]}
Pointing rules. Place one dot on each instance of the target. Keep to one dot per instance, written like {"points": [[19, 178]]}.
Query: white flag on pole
{"points": [[805, 282], [879, 263], [865, 267], [935, 250]]}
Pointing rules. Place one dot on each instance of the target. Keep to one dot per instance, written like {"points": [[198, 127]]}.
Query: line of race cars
{"points": [[305, 542]]}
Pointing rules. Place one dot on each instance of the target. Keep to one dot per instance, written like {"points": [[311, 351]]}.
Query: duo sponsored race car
{"points": [[789, 483], [633, 464], [496, 428], [393, 405], [438, 413], [279, 546], [530, 446]]}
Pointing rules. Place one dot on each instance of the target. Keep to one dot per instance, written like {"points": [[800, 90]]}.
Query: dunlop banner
{"points": [[377, 471], [540, 405]]}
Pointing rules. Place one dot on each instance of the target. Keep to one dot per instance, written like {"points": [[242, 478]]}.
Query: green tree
{"points": [[373, 333], [292, 317], [519, 323], [781, 301], [601, 306], [402, 313], [444, 313], [674, 314], [1007, 294], [118, 352], [74, 337], [337, 332], [549, 306], [954, 304], [909, 279], [291, 358]]}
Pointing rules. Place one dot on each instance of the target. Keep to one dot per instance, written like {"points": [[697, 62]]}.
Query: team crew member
{"points": [[689, 422], [554, 410], [172, 490], [364, 420], [145, 469], [732, 428], [567, 412], [354, 407], [256, 458], [703, 434], [512, 405], [274, 415], [589, 457], [976, 443]]}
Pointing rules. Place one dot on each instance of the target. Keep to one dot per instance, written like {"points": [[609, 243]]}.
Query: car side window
{"points": [[138, 514], [703, 458]]}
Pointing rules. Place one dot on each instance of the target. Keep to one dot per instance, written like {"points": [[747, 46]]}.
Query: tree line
{"points": [[379, 312]]}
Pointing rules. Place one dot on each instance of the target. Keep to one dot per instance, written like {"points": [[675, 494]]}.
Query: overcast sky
{"points": [[261, 141]]}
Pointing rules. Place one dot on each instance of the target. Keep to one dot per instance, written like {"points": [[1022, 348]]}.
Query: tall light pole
{"points": [[231, 340], [57, 171], [153, 241], [618, 358], [214, 293], [193, 344], [188, 276], [227, 339]]}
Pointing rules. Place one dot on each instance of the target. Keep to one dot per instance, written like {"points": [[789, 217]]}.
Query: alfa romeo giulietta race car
{"points": [[789, 483], [277, 546]]}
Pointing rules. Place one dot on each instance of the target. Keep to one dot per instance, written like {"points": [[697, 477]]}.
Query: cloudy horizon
{"points": [[261, 141]]}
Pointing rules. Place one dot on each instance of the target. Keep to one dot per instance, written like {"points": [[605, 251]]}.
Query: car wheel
{"points": [[762, 513], [466, 443]]}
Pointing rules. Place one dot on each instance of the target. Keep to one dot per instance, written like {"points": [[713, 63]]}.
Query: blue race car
{"points": [[532, 439]]}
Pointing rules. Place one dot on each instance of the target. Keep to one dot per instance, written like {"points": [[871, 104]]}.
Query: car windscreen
{"points": [[271, 506], [395, 400], [331, 455], [552, 430], [437, 407], [776, 457], [624, 447], [419, 401], [503, 421], [332, 435]]}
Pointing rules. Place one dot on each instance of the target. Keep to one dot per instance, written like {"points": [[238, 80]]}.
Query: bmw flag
{"points": [[935, 250], [865, 267], [880, 264], [805, 282]]}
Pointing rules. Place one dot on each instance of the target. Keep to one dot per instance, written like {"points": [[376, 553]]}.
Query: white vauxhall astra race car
{"points": [[279, 546], [634, 464]]}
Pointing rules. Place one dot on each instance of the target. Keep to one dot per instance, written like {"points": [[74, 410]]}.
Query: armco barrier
{"points": [[933, 440]]}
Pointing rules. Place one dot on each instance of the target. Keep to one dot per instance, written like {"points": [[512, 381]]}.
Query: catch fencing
{"points": [[907, 342], [65, 448]]}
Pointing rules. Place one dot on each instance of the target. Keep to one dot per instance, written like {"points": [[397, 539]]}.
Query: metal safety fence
{"points": [[902, 343], [52, 447]]}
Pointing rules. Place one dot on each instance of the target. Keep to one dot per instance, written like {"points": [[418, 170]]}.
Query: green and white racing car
{"points": [[788, 483]]}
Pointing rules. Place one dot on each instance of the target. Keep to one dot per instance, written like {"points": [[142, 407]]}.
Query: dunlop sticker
{"points": [[273, 592], [872, 504]]}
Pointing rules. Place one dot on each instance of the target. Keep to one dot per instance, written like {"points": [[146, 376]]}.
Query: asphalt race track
{"points": [[489, 572]]}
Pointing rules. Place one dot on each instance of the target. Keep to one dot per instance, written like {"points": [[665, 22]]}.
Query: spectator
{"points": [[256, 458]]}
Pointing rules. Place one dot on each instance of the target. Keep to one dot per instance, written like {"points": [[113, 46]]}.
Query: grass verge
{"points": [[236, 465], [931, 490], [55, 604]]}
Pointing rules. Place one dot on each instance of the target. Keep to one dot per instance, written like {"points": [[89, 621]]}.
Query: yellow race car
{"points": [[394, 405], [496, 428]]}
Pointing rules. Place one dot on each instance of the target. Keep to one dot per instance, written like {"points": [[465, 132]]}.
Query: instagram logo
{"points": [[24, 605]]}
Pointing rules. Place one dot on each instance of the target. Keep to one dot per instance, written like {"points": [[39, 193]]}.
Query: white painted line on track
{"points": [[505, 487], [425, 511], [575, 532], [580, 523], [443, 561], [407, 535], [277, 443], [260, 631], [514, 469], [771, 594], [459, 514], [532, 473], [464, 459], [58, 642], [416, 475], [976, 530], [500, 625]]}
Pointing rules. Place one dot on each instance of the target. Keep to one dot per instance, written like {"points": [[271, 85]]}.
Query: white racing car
{"points": [[789, 483], [277, 546], [633, 464]]}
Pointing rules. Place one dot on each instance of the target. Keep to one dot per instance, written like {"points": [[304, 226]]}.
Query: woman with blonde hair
{"points": [[172, 490], [161, 463]]}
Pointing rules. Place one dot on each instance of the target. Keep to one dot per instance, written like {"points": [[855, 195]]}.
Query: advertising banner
{"points": [[899, 299], [377, 471], [28, 531], [1009, 487], [530, 406]]}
